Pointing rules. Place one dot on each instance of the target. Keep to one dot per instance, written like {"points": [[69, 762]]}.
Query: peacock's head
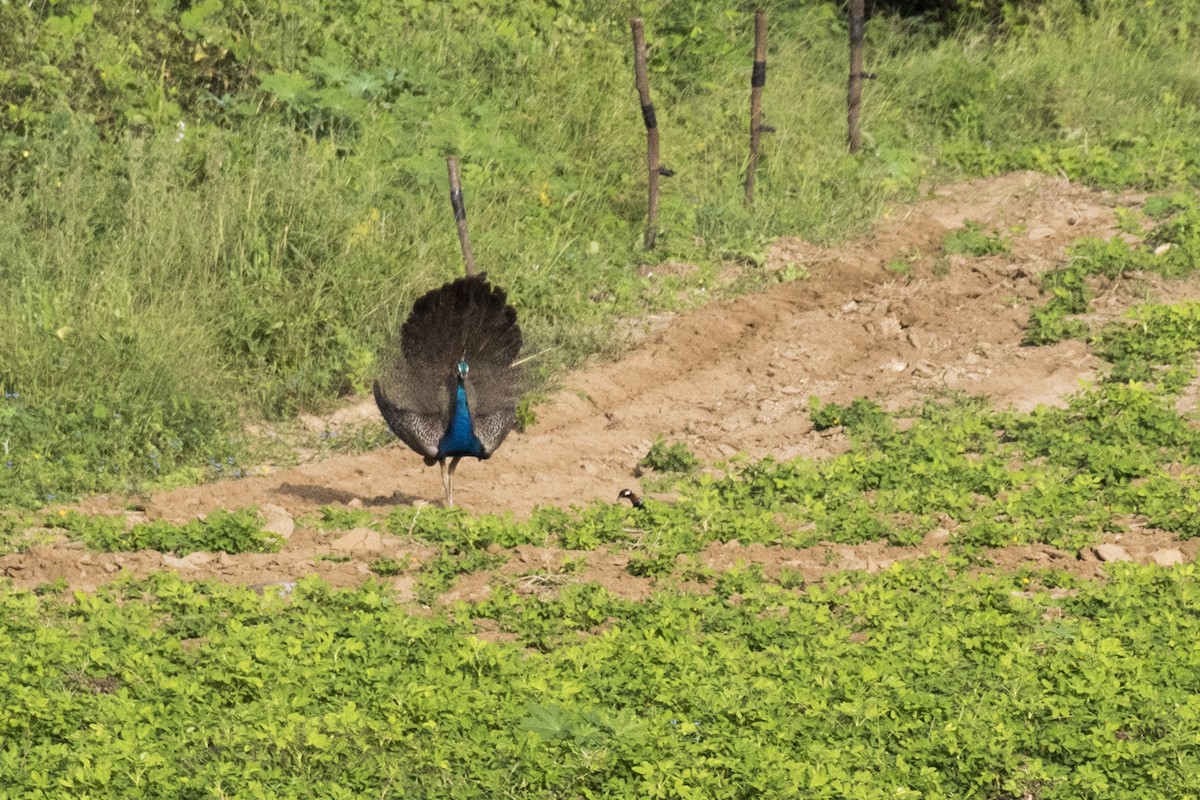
{"points": [[462, 370]]}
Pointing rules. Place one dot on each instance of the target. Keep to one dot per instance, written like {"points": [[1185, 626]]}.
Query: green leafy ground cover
{"points": [[918, 682], [214, 212]]}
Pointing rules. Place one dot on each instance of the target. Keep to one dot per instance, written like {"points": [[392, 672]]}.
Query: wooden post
{"points": [[854, 95], [643, 88], [460, 213], [758, 79]]}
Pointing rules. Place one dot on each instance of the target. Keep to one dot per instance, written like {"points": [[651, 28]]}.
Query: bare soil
{"points": [[731, 377]]}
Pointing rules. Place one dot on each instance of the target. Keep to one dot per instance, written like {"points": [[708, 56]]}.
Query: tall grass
{"points": [[167, 282]]}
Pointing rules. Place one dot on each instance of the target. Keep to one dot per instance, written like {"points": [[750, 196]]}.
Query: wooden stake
{"points": [[652, 166], [460, 213], [758, 79], [854, 95]]}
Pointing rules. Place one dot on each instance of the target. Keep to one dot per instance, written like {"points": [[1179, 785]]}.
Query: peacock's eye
{"points": [[462, 368]]}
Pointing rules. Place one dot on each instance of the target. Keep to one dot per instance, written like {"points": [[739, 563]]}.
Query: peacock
{"points": [[449, 387]]}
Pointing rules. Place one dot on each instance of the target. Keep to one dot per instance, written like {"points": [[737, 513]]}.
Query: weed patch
{"points": [[663, 457], [973, 240]]}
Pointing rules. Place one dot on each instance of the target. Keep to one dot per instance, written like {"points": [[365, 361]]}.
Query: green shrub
{"points": [[663, 457]]}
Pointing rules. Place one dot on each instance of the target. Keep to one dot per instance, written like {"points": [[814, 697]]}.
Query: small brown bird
{"points": [[633, 497]]}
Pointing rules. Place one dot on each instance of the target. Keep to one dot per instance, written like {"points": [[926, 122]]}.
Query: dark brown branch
{"points": [[758, 79], [648, 117]]}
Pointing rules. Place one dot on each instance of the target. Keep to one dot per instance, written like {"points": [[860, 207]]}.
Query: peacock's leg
{"points": [[445, 489], [450, 481]]}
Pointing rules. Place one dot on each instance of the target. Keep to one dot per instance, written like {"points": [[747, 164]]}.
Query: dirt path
{"points": [[732, 377]]}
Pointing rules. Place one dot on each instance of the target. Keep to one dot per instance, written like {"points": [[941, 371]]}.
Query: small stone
{"points": [[174, 562], [359, 540], [923, 370], [852, 561], [937, 536], [355, 502], [314, 424], [1167, 558], [1111, 552], [282, 589], [279, 521], [405, 588], [889, 326]]}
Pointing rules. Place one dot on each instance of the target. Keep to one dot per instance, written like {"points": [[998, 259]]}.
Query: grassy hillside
{"points": [[215, 214]]}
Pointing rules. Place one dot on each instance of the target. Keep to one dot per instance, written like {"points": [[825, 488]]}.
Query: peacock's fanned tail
{"points": [[465, 320]]}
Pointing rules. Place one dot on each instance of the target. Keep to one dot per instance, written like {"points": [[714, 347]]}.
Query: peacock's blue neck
{"points": [[459, 438]]}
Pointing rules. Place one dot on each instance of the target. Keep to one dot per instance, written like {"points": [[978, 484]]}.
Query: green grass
{"points": [[168, 283]]}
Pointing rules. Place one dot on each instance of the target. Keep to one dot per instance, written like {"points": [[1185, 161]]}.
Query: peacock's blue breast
{"points": [[459, 438]]}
